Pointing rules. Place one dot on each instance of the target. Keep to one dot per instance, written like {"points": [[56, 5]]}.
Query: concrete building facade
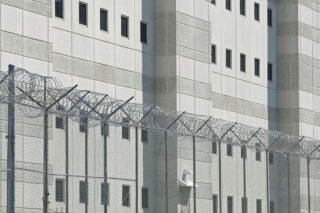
{"points": [[251, 61]]}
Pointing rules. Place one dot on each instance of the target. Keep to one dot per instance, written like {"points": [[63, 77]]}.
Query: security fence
{"points": [[29, 170]]}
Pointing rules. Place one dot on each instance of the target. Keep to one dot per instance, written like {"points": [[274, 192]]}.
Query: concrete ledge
{"points": [[37, 7], [36, 49], [13, 3], [11, 42], [194, 22]]}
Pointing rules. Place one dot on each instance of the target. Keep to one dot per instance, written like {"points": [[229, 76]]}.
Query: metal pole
{"points": [[166, 170], [137, 173], [244, 181], [45, 152], [105, 149], [11, 144], [194, 175], [267, 180], [308, 175], [289, 205], [86, 164], [67, 163], [220, 180]]}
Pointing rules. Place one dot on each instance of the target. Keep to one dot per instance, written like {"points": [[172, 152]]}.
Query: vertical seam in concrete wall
{"points": [[94, 87]]}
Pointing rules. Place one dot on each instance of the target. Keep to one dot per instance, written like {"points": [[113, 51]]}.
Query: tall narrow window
{"points": [[257, 67], [213, 1], [59, 122], [104, 193], [270, 72], [144, 135], [103, 20], [243, 152], [125, 128], [213, 53], [230, 204], [269, 17], [143, 32], [258, 152], [83, 192], [228, 58], [83, 124], [102, 128], [82, 13], [272, 207], [229, 149], [243, 7], [270, 157], [228, 4], [59, 190], [215, 203], [259, 206], [214, 147], [125, 26], [244, 205], [242, 62], [59, 8], [145, 198], [125, 195], [256, 11]]}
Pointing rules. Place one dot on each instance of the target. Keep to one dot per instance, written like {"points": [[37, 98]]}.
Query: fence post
{"points": [[86, 165], [67, 163], [220, 179], [11, 143], [289, 197], [194, 175], [105, 149]]}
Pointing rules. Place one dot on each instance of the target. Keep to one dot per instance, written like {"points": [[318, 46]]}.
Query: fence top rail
{"points": [[94, 108]]}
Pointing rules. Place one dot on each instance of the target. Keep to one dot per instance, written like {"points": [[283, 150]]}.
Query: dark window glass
{"points": [[270, 157], [271, 207], [83, 192], [229, 149], [244, 205], [125, 195], [242, 62], [59, 122], [256, 11], [213, 1], [243, 7], [230, 204], [103, 20], [228, 4], [214, 147], [145, 198], [269, 17], [82, 13], [83, 124], [258, 152], [257, 67], [59, 190], [270, 72], [124, 26], [143, 32], [243, 152], [125, 128], [259, 206], [213, 54], [104, 193], [59, 8], [215, 203], [102, 128], [228, 58], [144, 135]]}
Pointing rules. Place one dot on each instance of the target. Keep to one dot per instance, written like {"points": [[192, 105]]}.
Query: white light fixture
{"points": [[183, 182]]}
